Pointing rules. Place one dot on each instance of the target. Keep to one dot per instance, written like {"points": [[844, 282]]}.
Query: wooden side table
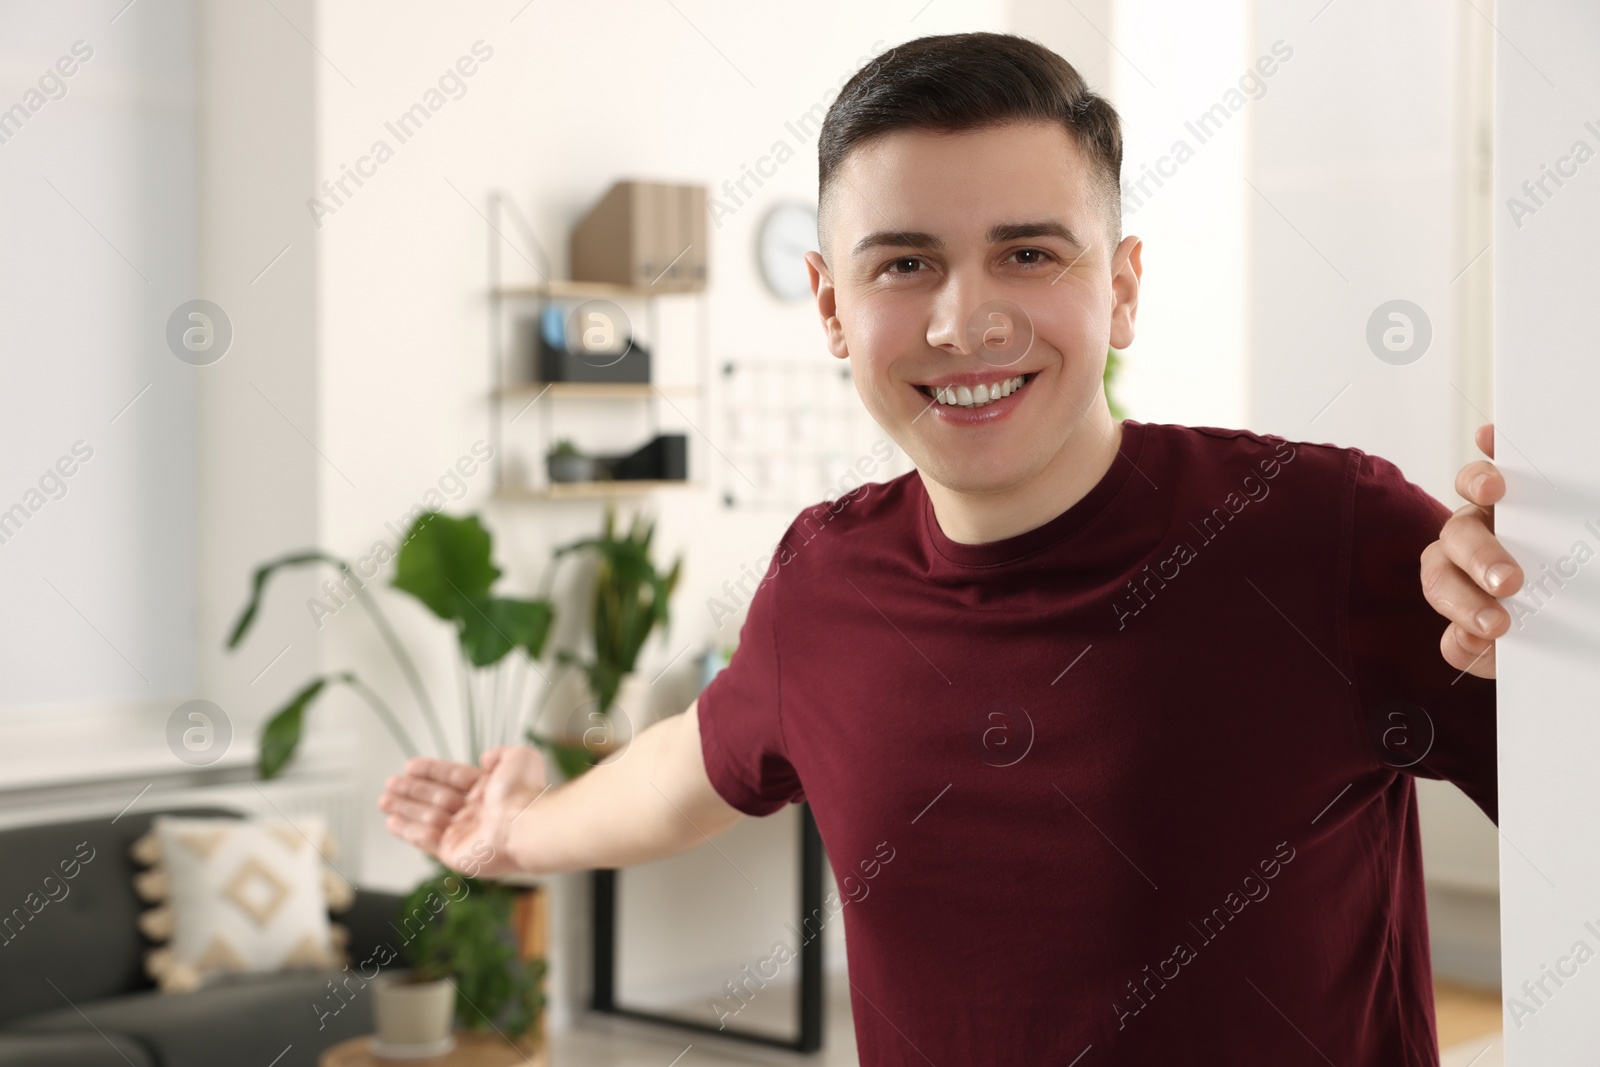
{"points": [[472, 1050]]}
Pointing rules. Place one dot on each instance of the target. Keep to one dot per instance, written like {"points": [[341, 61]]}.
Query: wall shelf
{"points": [[509, 398], [570, 290], [597, 390], [589, 490]]}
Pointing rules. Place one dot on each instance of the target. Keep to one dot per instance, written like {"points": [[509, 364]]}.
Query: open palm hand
{"points": [[463, 814]]}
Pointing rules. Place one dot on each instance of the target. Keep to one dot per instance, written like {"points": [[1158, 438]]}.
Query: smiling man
{"points": [[1136, 708]]}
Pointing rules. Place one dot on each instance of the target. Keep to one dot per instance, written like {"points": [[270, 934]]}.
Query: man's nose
{"points": [[970, 318]]}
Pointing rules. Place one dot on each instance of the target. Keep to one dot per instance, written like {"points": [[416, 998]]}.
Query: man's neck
{"points": [[979, 518]]}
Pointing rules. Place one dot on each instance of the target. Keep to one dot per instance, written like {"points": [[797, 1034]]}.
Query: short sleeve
{"points": [[1422, 716], [741, 729]]}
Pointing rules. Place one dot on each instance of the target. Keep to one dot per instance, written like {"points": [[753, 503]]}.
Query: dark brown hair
{"points": [[966, 81]]}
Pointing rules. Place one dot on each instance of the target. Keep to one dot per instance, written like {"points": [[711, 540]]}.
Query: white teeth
{"points": [[976, 397]]}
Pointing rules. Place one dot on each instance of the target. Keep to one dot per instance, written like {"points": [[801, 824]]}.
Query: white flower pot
{"points": [[414, 1019]]}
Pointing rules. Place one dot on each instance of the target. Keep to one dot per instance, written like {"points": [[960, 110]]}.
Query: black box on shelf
{"points": [[665, 458], [552, 364]]}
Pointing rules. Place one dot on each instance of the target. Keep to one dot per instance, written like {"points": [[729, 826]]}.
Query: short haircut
{"points": [[967, 81]]}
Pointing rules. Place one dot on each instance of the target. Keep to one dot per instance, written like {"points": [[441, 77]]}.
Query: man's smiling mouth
{"points": [[974, 396]]}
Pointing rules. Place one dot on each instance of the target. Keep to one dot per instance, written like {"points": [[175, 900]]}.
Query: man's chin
{"points": [[977, 479]]}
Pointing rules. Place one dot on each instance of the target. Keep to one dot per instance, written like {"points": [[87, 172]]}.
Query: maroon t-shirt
{"points": [[1134, 786]]}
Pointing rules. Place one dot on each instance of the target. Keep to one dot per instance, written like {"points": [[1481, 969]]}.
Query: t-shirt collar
{"points": [[1011, 549]]}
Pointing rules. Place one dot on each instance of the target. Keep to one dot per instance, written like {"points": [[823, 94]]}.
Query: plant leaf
{"points": [[259, 582], [281, 735], [445, 563], [468, 938], [630, 600], [493, 626]]}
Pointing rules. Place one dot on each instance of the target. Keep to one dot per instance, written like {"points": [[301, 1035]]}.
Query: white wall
{"points": [[257, 467], [1357, 155], [98, 181], [1547, 101], [1184, 196]]}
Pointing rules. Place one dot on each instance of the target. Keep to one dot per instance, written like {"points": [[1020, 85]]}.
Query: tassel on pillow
{"points": [[146, 851], [156, 924], [170, 975], [151, 885]]}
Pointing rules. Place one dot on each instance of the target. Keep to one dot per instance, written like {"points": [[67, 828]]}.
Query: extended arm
{"points": [[649, 801]]}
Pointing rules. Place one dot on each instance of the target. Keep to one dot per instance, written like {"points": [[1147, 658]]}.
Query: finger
{"points": [[1484, 439], [1472, 546], [1481, 482], [412, 811], [1467, 653], [424, 837], [1455, 596], [440, 796], [447, 772]]}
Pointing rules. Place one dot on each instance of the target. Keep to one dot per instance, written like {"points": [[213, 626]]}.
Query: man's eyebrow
{"points": [[998, 234], [1016, 231], [897, 239]]}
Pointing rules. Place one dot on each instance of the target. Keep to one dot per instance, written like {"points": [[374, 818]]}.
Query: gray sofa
{"points": [[73, 992]]}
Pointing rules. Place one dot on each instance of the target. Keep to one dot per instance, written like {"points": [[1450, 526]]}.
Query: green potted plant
{"points": [[567, 463], [447, 564], [630, 601], [467, 964], [1113, 366]]}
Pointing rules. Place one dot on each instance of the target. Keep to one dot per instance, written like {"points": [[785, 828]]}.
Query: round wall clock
{"points": [[785, 235]]}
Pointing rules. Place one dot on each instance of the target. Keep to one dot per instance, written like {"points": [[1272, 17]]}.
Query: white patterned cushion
{"points": [[237, 896]]}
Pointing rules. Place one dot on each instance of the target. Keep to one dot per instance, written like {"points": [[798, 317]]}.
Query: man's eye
{"points": [[912, 262], [1039, 254]]}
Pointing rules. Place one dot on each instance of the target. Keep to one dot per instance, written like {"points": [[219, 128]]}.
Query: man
{"points": [[1134, 708]]}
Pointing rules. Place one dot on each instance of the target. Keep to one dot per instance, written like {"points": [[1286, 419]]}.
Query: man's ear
{"points": [[827, 303], [1125, 271]]}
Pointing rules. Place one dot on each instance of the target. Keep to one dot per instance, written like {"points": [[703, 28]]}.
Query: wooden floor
{"points": [[1464, 1013]]}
